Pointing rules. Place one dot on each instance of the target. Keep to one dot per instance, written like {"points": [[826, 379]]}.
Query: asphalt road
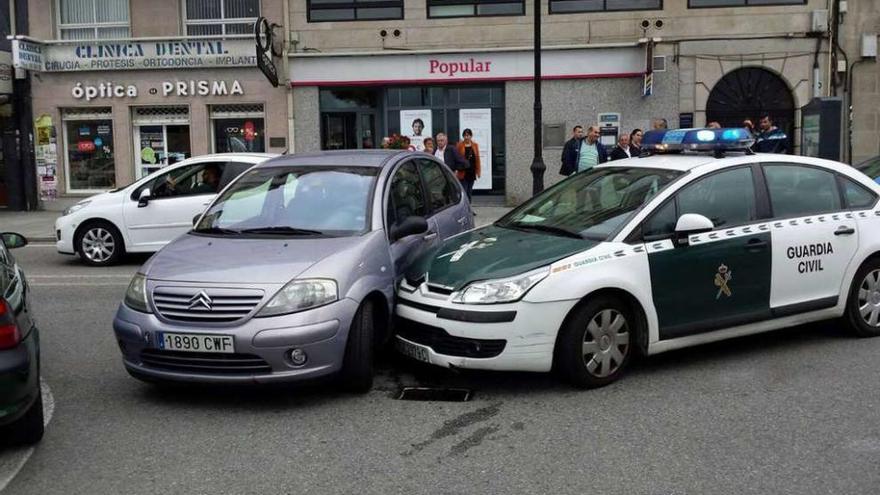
{"points": [[796, 411]]}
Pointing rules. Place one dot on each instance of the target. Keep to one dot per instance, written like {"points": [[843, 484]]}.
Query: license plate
{"points": [[416, 352], [189, 342]]}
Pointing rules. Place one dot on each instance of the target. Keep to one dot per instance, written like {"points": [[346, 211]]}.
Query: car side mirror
{"points": [[12, 240], [689, 224], [409, 226], [144, 198]]}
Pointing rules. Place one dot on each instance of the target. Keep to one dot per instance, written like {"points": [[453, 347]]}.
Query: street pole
{"points": [[538, 166]]}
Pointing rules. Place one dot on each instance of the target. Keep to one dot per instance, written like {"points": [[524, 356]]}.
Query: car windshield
{"points": [[293, 201], [590, 205]]}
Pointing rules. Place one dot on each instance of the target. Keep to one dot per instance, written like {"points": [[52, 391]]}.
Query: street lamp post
{"points": [[538, 168]]}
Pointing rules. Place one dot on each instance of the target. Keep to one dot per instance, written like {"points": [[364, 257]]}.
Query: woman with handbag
{"points": [[469, 149]]}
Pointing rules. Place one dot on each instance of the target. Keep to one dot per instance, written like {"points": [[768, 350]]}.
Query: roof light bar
{"points": [[678, 140]]}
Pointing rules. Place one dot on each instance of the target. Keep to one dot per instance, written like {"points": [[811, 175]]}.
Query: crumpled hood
{"points": [[196, 258], [494, 252]]}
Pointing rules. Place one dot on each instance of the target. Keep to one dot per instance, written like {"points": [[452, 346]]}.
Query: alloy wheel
{"points": [[98, 245], [605, 343]]}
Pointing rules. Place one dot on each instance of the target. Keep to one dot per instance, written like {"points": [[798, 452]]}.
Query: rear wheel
{"points": [[100, 244], [357, 368], [596, 343], [863, 303], [28, 429]]}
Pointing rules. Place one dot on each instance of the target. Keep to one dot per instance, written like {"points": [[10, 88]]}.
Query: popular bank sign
{"points": [[135, 55]]}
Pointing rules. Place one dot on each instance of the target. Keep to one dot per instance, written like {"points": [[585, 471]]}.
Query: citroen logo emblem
{"points": [[201, 299]]}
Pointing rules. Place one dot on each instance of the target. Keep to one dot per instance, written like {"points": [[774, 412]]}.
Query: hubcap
{"points": [[605, 343], [869, 299], [98, 245]]}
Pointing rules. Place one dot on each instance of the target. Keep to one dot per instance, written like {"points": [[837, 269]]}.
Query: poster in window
{"points": [[416, 125], [46, 154], [479, 121]]}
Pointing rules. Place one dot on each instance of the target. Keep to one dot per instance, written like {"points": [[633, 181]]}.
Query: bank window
{"points": [[475, 8], [220, 17], [799, 191], [354, 10], [93, 19], [238, 128], [727, 198], [695, 4], [89, 151], [566, 6]]}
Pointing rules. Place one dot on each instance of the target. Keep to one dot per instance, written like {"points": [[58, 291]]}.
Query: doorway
{"points": [[348, 130]]}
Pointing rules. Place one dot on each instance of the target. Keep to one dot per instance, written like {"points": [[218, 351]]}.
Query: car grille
{"points": [[223, 305], [443, 343], [205, 362]]}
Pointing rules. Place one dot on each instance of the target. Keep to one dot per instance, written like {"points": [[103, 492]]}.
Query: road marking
{"points": [[12, 461]]}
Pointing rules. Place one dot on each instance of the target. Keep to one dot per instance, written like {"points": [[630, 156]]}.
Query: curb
{"points": [[32, 239]]}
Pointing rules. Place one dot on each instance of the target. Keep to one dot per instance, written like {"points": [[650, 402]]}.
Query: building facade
{"points": [[361, 70], [121, 88]]}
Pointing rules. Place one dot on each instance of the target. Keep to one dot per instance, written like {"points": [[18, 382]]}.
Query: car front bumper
{"points": [[64, 230], [321, 332], [19, 378], [528, 339]]}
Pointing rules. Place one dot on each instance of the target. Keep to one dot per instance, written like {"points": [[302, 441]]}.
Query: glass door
{"points": [[339, 131]]}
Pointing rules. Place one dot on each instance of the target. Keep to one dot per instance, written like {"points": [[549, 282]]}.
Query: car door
{"points": [[406, 198], [449, 213], [717, 279], [175, 199], [814, 235]]}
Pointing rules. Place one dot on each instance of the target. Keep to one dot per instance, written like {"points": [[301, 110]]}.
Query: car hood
{"points": [[493, 252], [197, 258]]}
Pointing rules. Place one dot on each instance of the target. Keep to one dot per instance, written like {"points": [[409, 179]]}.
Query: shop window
{"points": [[695, 4], [238, 128], [566, 6], [354, 10], [93, 19], [161, 137], [220, 17], [475, 8], [89, 150]]}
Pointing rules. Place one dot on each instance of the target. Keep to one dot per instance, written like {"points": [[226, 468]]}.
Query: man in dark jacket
{"points": [[621, 151], [570, 148], [586, 154], [448, 154], [771, 139]]}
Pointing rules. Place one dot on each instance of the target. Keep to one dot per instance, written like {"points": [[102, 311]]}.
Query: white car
{"points": [[648, 255], [144, 216]]}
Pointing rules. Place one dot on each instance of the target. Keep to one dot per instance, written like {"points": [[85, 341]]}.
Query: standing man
{"points": [[569, 151], [621, 151], [770, 139], [587, 155], [660, 124], [448, 154]]}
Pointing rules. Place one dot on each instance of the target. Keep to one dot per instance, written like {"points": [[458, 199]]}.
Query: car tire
{"points": [[99, 243], [863, 303], [28, 429], [357, 367], [596, 343]]}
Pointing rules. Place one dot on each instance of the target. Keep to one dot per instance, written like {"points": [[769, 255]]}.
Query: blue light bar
{"points": [[678, 140]]}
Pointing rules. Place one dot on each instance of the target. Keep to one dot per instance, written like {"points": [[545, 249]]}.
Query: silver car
{"points": [[290, 273]]}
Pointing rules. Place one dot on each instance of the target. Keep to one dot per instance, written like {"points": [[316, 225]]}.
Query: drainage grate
{"points": [[435, 394]]}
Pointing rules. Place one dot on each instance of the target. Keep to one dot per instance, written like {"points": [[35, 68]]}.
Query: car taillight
{"points": [[10, 336]]}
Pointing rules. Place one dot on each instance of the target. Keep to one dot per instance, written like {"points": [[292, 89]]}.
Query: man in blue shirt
{"points": [[771, 139]]}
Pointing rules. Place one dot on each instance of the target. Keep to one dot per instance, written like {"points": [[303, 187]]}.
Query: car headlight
{"points": [[74, 208], [502, 290], [136, 295], [299, 295]]}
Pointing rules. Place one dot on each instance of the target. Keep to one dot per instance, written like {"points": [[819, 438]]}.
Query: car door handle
{"points": [[756, 245], [844, 230]]}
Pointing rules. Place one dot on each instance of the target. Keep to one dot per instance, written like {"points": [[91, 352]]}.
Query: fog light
{"points": [[298, 357]]}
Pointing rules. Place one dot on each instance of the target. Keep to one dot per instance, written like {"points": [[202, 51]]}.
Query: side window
{"points": [[660, 223], [406, 198], [727, 198], [441, 190], [232, 171], [798, 191], [855, 195], [200, 178]]}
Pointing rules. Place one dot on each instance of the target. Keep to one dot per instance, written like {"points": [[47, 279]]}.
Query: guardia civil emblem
{"points": [[721, 279], [468, 246]]}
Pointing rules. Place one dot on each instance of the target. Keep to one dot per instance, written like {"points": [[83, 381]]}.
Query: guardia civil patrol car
{"points": [[698, 242]]}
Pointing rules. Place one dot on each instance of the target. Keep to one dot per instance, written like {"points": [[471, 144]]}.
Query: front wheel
{"points": [[863, 303], [100, 244], [357, 368], [596, 343]]}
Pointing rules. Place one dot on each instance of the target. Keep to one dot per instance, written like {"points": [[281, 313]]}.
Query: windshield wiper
{"points": [[552, 229], [281, 230], [216, 230]]}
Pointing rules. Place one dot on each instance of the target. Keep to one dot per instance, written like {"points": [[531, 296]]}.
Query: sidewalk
{"points": [[39, 226]]}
